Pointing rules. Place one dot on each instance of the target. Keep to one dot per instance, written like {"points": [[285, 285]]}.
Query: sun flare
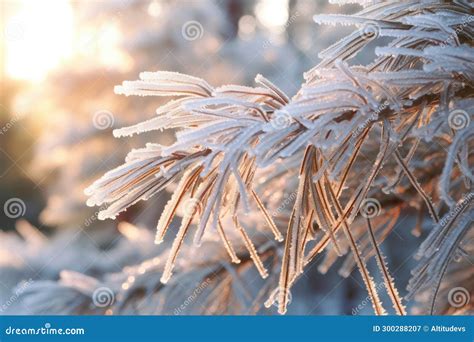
{"points": [[38, 37]]}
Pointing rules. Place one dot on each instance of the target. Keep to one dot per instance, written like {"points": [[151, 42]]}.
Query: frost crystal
{"points": [[353, 131]]}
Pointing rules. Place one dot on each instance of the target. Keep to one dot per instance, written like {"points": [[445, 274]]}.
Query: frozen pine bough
{"points": [[356, 149], [404, 120], [82, 148]]}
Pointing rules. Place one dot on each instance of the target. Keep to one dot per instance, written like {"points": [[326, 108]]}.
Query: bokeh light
{"points": [[38, 37]]}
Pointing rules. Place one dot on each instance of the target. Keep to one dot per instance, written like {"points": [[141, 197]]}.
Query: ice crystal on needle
{"points": [[346, 126]]}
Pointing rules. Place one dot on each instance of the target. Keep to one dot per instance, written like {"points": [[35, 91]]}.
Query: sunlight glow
{"points": [[38, 37], [155, 8], [273, 14]]}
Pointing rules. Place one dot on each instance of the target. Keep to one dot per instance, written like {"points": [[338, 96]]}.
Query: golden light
{"points": [[247, 26], [101, 45], [155, 8], [38, 37], [273, 14]]}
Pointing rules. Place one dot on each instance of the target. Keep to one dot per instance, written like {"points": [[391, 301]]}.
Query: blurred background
{"points": [[59, 63], [61, 59]]}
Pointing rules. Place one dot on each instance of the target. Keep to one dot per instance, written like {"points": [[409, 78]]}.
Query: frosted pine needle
{"points": [[348, 128]]}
